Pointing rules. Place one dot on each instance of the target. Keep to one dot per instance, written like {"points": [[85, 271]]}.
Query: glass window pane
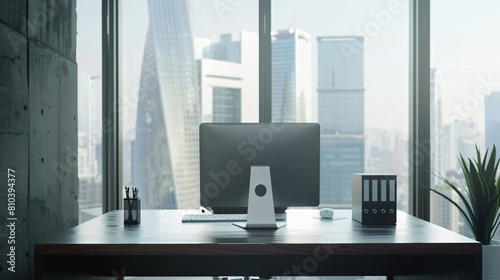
{"points": [[89, 108], [465, 95], [182, 63], [344, 64]]}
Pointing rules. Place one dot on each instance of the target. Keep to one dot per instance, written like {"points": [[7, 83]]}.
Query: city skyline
{"points": [[206, 22]]}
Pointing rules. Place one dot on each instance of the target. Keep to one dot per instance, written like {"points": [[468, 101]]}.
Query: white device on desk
{"points": [[326, 213], [198, 218]]}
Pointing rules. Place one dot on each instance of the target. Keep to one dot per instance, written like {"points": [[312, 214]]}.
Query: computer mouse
{"points": [[326, 213]]}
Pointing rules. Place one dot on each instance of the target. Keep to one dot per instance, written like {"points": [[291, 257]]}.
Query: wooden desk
{"points": [[307, 245]]}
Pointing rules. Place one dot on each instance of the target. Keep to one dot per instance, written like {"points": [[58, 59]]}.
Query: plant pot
{"points": [[491, 256]]}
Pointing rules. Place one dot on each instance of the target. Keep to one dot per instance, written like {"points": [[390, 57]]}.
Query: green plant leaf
{"points": [[490, 173], [466, 202], [469, 223], [481, 197], [466, 172]]}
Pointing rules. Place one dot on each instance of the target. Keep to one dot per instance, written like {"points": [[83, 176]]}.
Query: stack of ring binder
{"points": [[374, 198]]}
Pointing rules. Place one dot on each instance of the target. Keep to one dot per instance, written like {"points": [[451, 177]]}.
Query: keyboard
{"points": [[207, 218]]}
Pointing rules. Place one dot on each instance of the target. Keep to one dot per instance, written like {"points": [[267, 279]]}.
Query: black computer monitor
{"points": [[227, 151]]}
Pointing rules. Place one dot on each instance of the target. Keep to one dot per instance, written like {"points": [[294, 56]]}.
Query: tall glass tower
{"points": [[165, 151], [291, 76], [341, 115]]}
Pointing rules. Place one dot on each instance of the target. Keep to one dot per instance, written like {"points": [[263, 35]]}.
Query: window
{"points": [[465, 94], [372, 34], [349, 72], [344, 64], [181, 63], [89, 109]]}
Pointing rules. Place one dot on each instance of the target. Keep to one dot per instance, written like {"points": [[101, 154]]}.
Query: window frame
{"points": [[419, 144], [111, 136]]}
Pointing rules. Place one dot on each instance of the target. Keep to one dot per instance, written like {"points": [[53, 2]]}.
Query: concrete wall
{"points": [[38, 125]]}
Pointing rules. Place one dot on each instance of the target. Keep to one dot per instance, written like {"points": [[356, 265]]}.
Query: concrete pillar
{"points": [[38, 125]]}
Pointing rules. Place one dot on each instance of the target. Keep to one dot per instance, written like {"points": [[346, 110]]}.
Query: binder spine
{"points": [[374, 198]]}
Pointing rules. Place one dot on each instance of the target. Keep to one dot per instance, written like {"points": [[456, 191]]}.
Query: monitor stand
{"points": [[260, 201]]}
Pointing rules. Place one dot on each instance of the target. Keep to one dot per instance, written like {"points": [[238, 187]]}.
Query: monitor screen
{"points": [[227, 151]]}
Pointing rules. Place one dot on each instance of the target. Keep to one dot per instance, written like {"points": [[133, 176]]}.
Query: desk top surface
{"points": [[164, 229]]}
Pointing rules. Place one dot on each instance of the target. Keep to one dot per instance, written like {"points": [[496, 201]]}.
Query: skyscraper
{"points": [[225, 47], [165, 150], [492, 120], [467, 135], [89, 116], [436, 133], [449, 150], [228, 75], [341, 115], [291, 76], [458, 138], [87, 123], [443, 213]]}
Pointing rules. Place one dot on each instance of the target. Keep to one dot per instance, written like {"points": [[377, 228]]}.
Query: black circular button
{"points": [[260, 190]]}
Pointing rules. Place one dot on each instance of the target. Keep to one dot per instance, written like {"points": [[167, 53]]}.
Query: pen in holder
{"points": [[132, 207]]}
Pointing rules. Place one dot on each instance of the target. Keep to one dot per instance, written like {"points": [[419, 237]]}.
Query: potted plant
{"points": [[481, 203]]}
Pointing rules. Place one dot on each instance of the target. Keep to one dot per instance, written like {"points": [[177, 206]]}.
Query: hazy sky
{"points": [[465, 47], [88, 39], [465, 40]]}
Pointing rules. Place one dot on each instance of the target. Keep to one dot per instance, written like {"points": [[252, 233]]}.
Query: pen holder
{"points": [[132, 211]]}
